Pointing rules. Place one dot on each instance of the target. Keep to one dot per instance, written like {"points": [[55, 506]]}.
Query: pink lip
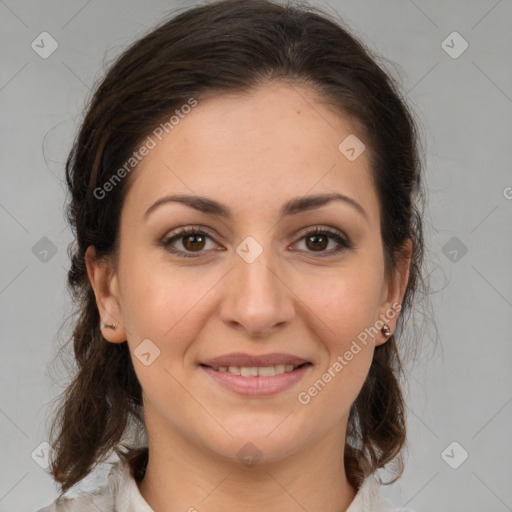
{"points": [[247, 360], [257, 386]]}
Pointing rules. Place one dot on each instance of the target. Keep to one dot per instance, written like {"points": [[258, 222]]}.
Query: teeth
{"points": [[267, 371], [256, 371], [249, 372]]}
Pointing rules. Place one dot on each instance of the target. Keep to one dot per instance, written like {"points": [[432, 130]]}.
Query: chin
{"points": [[253, 445]]}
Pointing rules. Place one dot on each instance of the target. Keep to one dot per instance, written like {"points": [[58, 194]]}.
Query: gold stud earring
{"points": [[109, 326], [386, 330]]}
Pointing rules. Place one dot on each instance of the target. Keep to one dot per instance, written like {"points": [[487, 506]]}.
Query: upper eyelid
{"points": [[187, 230]]}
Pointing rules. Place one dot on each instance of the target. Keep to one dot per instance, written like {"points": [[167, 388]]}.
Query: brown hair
{"points": [[231, 45]]}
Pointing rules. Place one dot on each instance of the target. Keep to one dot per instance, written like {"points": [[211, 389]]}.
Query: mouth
{"points": [[257, 381], [257, 371]]}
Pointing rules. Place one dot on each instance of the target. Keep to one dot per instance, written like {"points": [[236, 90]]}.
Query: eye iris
{"points": [[192, 246], [314, 239]]}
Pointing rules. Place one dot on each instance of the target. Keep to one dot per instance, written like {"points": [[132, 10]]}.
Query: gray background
{"points": [[459, 392]]}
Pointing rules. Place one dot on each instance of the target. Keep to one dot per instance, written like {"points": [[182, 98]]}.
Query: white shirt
{"points": [[121, 494]]}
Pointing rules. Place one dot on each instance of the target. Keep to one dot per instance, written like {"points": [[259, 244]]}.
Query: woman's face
{"points": [[253, 279]]}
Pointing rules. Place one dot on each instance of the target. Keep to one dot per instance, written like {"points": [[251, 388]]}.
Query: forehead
{"points": [[258, 148]]}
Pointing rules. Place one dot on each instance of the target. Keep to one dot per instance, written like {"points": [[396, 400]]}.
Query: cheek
{"points": [[345, 303], [162, 301], [346, 309]]}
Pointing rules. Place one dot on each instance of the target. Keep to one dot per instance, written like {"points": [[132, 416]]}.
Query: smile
{"points": [[255, 371], [257, 380]]}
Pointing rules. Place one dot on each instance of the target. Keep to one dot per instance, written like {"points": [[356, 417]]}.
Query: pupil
{"points": [[196, 238], [315, 238]]}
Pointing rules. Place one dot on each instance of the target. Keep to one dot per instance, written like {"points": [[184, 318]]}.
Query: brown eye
{"points": [[187, 243], [317, 242], [193, 242]]}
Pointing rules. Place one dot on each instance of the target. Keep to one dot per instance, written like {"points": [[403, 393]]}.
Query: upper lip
{"points": [[247, 360]]}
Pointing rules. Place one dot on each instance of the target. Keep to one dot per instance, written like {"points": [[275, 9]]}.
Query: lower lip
{"points": [[257, 386]]}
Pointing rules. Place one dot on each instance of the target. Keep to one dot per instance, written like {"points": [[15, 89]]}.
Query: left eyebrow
{"points": [[292, 207]]}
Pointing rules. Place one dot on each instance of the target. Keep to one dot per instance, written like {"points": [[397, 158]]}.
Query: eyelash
{"points": [[344, 243]]}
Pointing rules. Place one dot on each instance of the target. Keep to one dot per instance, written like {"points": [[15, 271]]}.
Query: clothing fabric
{"points": [[121, 494]]}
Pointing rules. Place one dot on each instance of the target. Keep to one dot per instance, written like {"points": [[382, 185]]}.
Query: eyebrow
{"points": [[292, 207]]}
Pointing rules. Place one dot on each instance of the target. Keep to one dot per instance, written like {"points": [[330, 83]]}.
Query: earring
{"points": [[110, 326], [386, 330]]}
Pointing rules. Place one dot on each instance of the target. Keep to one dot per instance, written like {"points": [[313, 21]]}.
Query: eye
{"points": [[317, 241], [191, 242]]}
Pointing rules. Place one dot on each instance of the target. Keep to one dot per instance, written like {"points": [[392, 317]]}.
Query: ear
{"points": [[106, 289], [394, 290]]}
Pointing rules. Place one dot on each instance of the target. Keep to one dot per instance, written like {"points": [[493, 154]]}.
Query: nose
{"points": [[258, 300]]}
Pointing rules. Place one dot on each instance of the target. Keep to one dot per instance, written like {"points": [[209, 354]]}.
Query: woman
{"points": [[245, 192]]}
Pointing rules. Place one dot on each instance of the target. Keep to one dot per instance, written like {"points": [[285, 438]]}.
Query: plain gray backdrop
{"points": [[459, 395]]}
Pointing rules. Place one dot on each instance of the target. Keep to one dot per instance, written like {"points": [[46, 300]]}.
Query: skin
{"points": [[252, 153]]}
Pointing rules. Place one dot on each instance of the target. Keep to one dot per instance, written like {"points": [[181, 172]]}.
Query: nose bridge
{"points": [[258, 281], [257, 299]]}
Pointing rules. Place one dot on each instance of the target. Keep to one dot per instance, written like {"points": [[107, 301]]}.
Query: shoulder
{"points": [[107, 497], [84, 503], [368, 499]]}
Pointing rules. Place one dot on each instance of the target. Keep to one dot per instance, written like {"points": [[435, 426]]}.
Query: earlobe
{"points": [[385, 334], [104, 284]]}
